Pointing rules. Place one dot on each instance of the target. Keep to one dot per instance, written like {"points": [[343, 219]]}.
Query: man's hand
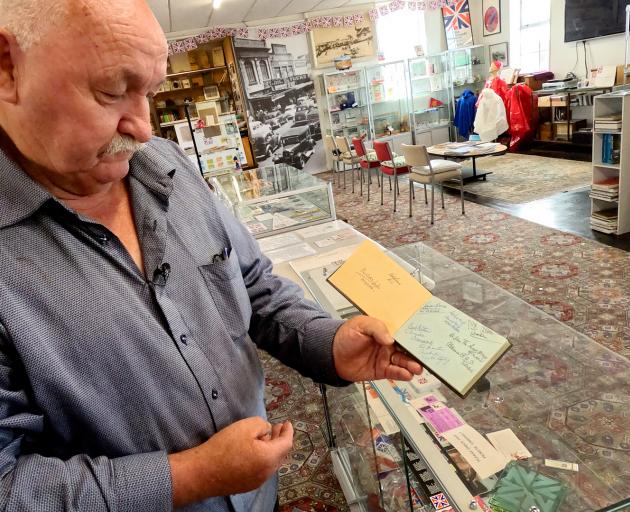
{"points": [[363, 349], [237, 459]]}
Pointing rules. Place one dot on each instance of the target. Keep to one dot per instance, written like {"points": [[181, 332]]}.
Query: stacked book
{"points": [[605, 220], [611, 148], [608, 190], [610, 123]]}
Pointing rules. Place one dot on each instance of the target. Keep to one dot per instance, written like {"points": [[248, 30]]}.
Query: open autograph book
{"points": [[454, 347]]}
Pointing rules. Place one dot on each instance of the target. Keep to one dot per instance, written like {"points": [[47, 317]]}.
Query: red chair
{"points": [[390, 165], [367, 161]]}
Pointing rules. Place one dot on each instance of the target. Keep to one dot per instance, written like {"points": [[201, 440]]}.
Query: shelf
{"points": [[605, 200], [349, 108], [602, 132], [171, 123], [425, 110], [346, 89], [387, 101], [195, 72], [607, 166]]}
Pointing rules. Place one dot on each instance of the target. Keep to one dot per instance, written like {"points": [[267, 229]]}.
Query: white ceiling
{"points": [[185, 16]]}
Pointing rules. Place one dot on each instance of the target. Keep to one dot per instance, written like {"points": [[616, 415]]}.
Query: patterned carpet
{"points": [[581, 282], [519, 178]]}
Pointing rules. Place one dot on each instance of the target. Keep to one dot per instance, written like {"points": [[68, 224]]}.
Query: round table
{"points": [[473, 152]]}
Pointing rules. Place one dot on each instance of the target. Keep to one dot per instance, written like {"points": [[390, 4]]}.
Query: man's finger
{"points": [[404, 361], [397, 373], [377, 330]]}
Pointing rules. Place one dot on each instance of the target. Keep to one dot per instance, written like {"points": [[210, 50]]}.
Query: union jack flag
{"points": [[243, 32], [348, 21], [373, 14], [439, 501], [178, 46], [298, 28], [337, 21], [396, 5], [170, 49], [358, 18], [457, 16]]}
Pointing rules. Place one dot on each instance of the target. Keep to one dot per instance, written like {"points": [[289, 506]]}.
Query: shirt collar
{"points": [[21, 196]]}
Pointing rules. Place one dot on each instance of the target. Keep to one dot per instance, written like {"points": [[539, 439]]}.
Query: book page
{"points": [[379, 287], [452, 345]]}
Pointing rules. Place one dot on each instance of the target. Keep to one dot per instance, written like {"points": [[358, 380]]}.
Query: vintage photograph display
{"points": [[356, 41], [281, 102]]}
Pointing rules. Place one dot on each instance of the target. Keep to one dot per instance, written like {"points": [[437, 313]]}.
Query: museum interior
{"points": [[454, 168]]}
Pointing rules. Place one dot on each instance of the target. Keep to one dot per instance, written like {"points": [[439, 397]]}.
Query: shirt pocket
{"points": [[229, 293]]}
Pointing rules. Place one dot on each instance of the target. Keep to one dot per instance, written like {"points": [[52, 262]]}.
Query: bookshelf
{"points": [[610, 190]]}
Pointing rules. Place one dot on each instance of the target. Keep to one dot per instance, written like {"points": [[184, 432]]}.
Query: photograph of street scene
{"points": [[281, 105]]}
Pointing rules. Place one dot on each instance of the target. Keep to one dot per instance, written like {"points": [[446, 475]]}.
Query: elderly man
{"points": [[128, 380]]}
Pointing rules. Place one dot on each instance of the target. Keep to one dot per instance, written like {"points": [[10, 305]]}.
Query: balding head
{"points": [[29, 20], [74, 80]]}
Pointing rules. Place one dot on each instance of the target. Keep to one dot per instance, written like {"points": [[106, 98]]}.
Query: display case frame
{"points": [[275, 199], [344, 119], [431, 106], [542, 390]]}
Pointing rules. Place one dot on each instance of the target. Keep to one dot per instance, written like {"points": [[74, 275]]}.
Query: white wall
{"points": [[602, 51]]}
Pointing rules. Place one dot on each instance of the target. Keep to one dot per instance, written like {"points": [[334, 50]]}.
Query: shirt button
{"points": [[184, 339], [103, 239], [215, 394]]}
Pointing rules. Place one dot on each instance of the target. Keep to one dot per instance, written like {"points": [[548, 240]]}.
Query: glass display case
{"points": [[468, 70], [563, 395], [431, 105], [347, 103], [388, 97], [276, 198]]}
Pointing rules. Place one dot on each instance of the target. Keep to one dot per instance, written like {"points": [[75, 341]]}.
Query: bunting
{"points": [[301, 27]]}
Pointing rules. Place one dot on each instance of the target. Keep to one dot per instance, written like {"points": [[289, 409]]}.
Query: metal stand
{"points": [[192, 132]]}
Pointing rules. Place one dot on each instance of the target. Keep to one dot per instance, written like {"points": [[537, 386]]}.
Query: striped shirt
{"points": [[104, 371]]}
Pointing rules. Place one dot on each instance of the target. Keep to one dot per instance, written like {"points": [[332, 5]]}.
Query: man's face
{"points": [[80, 90]]}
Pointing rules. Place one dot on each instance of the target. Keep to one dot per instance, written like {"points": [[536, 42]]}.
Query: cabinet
{"points": [[561, 393], [347, 103], [610, 194], [388, 99], [468, 69], [431, 105], [206, 75], [275, 199]]}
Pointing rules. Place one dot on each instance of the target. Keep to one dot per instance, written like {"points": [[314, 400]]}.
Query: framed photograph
{"points": [[211, 92], [358, 41], [499, 52], [184, 135], [491, 17]]}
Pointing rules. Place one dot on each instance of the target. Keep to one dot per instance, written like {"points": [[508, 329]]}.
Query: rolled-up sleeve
{"points": [[29, 481]]}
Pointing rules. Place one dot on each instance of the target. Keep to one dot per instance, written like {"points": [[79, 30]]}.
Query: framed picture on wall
{"points": [[457, 25], [499, 52], [357, 41], [491, 17]]}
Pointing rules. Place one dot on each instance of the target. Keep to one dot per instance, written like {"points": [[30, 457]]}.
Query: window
{"points": [[530, 34], [251, 73], [399, 33], [264, 70]]}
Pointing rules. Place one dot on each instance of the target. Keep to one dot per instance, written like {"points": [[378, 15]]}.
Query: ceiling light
{"points": [[216, 3]]}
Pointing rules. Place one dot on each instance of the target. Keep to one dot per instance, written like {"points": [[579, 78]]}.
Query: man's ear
{"points": [[8, 52]]}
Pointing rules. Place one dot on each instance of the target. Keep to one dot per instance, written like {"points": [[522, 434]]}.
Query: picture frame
{"points": [[491, 10], [499, 52], [357, 41], [211, 92], [457, 25]]}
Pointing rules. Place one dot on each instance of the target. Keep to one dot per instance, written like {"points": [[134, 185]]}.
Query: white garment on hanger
{"points": [[491, 119]]}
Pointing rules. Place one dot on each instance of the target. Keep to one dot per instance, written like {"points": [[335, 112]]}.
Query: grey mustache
{"points": [[122, 144]]}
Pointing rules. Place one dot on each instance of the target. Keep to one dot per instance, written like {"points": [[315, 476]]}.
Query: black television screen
{"points": [[585, 19]]}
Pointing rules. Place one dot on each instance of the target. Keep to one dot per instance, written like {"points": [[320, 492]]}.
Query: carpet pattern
{"points": [[580, 282], [519, 178]]}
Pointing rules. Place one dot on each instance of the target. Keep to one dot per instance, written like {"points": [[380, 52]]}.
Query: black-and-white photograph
{"points": [[281, 103]]}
